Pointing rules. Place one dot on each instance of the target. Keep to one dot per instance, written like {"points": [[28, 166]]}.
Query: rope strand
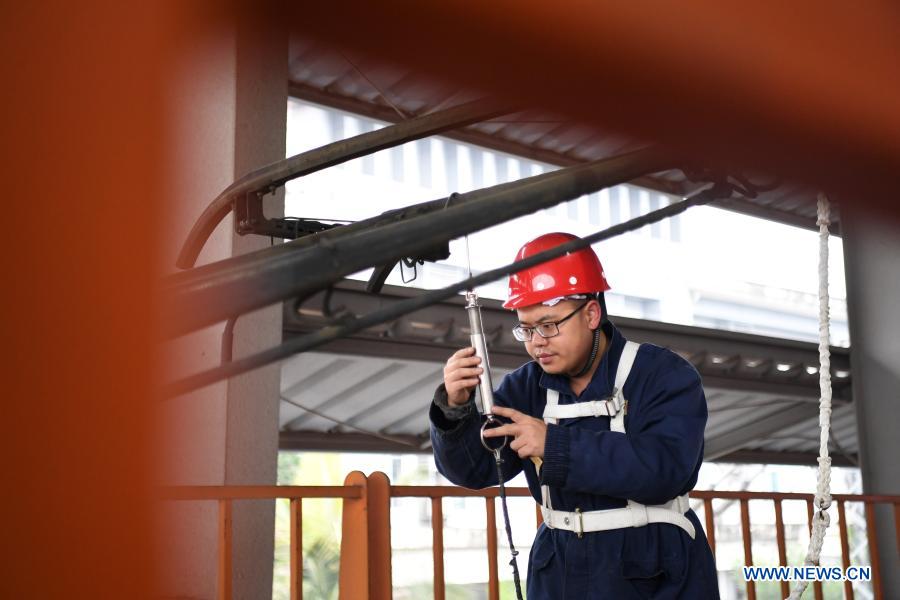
{"points": [[822, 500]]}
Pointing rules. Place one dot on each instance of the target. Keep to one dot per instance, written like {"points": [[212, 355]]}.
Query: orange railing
{"points": [[365, 564], [869, 501], [353, 492]]}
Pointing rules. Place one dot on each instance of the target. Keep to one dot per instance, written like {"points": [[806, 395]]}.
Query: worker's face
{"points": [[567, 352]]}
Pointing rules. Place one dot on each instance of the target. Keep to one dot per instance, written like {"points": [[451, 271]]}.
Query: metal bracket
{"points": [[380, 274], [250, 219]]}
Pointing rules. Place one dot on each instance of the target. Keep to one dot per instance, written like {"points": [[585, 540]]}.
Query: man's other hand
{"points": [[461, 375]]}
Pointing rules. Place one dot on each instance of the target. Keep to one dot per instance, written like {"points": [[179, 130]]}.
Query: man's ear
{"points": [[594, 313]]}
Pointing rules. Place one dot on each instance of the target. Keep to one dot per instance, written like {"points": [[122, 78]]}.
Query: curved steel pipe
{"points": [[277, 174]]}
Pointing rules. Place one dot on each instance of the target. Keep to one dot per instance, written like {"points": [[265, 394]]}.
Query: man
{"points": [[608, 433]]}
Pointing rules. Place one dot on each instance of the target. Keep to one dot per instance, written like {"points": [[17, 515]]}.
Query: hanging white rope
{"points": [[821, 520]]}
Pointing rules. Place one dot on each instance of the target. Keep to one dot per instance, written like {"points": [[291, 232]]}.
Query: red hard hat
{"points": [[578, 272]]}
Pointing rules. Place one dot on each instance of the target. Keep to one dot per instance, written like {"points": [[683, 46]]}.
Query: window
{"points": [[423, 149]]}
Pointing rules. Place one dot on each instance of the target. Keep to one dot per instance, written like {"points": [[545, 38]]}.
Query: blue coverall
{"points": [[589, 467]]}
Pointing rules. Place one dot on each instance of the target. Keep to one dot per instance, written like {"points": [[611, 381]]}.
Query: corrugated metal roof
{"points": [[357, 84]]}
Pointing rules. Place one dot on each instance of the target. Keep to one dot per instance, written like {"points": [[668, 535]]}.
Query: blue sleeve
{"points": [[657, 457], [458, 452]]}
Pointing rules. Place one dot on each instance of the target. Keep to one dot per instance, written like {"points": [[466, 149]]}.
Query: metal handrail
{"points": [[365, 546], [225, 495]]}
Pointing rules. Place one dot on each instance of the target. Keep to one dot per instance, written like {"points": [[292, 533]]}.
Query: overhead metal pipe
{"points": [[239, 286], [277, 174], [246, 261]]}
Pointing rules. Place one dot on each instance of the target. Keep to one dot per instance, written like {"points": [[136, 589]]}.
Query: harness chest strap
{"points": [[634, 514]]}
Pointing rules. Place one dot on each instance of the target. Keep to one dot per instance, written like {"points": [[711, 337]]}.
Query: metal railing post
{"points": [[872, 535], [845, 548], [491, 525], [782, 549], [708, 516], [817, 585], [748, 545], [296, 549], [897, 523], [224, 586], [354, 568], [378, 493], [437, 545]]}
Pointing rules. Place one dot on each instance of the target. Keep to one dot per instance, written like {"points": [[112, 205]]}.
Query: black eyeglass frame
{"points": [[520, 331]]}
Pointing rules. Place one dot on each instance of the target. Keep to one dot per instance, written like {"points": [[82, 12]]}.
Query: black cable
{"points": [[211, 293], [512, 549], [590, 361], [352, 325]]}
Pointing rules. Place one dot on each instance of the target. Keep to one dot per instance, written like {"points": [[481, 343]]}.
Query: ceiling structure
{"points": [[318, 73], [370, 392]]}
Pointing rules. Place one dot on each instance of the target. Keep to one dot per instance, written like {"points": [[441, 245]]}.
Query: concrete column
{"points": [[229, 107], [872, 263]]}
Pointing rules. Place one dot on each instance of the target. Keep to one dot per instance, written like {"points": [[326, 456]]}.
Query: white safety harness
{"points": [[632, 515]]}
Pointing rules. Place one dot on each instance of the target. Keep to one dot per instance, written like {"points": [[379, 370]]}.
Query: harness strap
{"points": [[626, 361], [552, 404], [634, 514], [593, 408]]}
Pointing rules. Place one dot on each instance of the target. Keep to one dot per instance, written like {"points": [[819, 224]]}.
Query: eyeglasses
{"points": [[545, 330]]}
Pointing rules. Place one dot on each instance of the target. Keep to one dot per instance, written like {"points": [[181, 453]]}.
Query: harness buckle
{"points": [[639, 515], [580, 517]]}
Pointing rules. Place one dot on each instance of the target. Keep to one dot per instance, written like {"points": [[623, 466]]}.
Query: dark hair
{"points": [[604, 316]]}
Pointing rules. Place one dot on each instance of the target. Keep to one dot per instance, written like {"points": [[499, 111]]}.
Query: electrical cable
{"points": [[350, 324], [512, 549]]}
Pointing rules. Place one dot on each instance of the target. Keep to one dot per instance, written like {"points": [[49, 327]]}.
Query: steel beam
{"points": [[448, 332], [351, 442], [758, 430], [417, 444], [767, 457]]}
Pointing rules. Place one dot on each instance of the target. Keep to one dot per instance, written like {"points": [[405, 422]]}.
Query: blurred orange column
{"points": [[84, 172]]}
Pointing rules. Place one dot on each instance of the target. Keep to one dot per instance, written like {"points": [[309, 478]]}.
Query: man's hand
{"points": [[527, 432], [461, 376]]}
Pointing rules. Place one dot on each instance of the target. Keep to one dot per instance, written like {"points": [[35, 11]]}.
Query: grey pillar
{"points": [[872, 264], [251, 442], [229, 107]]}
